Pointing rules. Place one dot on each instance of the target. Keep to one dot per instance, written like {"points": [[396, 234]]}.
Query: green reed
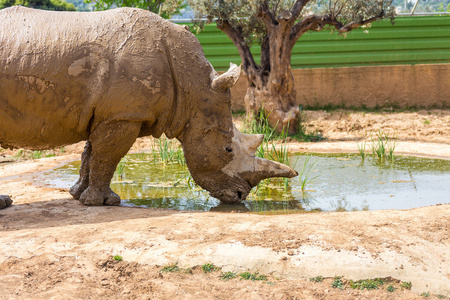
{"points": [[383, 146]]}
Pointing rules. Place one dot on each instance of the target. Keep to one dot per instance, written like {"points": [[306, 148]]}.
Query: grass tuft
{"points": [[362, 149], [228, 275], [209, 268], [253, 277], [121, 167], [117, 258], [391, 288], [337, 283], [383, 146], [305, 173], [166, 151], [317, 279], [406, 285], [170, 268], [369, 284]]}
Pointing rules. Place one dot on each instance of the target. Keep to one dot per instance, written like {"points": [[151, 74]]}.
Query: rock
{"points": [[5, 201]]}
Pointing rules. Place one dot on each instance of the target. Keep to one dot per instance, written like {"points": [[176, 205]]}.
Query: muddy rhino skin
{"points": [[110, 77]]}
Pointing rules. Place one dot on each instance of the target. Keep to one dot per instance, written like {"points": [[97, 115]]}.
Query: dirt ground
{"points": [[52, 247]]}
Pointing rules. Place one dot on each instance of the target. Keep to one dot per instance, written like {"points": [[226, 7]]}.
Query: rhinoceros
{"points": [[110, 77]]}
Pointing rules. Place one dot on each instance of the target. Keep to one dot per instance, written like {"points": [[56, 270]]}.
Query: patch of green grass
{"points": [[19, 153], [228, 275], [260, 125], [239, 113], [316, 279], [117, 258], [391, 288], [121, 167], [36, 154], [406, 285], [426, 122], [305, 173], [383, 146], [166, 151], [170, 268], [209, 268], [425, 294], [303, 135], [337, 283], [362, 149], [369, 284], [252, 277], [279, 153]]}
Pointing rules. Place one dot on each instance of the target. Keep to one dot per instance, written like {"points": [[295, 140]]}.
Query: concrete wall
{"points": [[422, 86]]}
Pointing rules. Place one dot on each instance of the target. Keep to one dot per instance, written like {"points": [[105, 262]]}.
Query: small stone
{"points": [[284, 258], [5, 201], [290, 252]]}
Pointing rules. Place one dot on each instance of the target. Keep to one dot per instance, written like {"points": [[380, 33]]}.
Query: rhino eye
{"points": [[228, 149]]}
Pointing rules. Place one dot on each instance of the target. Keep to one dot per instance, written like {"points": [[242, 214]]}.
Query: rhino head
{"points": [[220, 158]]}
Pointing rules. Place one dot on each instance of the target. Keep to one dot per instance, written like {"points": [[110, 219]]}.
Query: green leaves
{"points": [[164, 8], [40, 4], [247, 18]]}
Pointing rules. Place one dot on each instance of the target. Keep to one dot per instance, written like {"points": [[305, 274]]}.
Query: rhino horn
{"points": [[263, 168], [227, 79], [251, 142], [267, 169]]}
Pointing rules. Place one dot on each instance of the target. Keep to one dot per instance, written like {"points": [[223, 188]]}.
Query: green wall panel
{"points": [[412, 40]]}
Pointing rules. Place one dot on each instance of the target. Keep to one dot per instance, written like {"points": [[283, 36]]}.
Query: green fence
{"points": [[412, 40]]}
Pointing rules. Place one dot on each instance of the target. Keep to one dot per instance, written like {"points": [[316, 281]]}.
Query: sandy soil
{"points": [[52, 247]]}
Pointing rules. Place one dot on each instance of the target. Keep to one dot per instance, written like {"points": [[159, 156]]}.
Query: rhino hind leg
{"points": [[83, 181], [109, 142], [5, 201]]}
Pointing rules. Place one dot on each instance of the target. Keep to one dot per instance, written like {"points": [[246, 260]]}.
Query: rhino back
{"points": [[63, 72]]}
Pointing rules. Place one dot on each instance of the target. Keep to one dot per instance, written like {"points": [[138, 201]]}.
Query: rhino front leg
{"points": [[5, 201], [83, 182], [110, 141]]}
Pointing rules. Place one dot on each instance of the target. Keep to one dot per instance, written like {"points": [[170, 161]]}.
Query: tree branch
{"points": [[352, 25], [298, 7], [248, 62], [265, 15], [313, 22], [317, 23]]}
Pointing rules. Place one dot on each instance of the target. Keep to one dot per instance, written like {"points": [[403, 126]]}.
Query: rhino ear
{"points": [[227, 79]]}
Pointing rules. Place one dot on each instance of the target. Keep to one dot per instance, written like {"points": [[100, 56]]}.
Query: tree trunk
{"points": [[277, 97], [271, 86]]}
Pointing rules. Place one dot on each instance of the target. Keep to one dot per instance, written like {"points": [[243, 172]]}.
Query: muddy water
{"points": [[342, 182]]}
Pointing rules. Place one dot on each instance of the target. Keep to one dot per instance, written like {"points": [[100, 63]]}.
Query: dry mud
{"points": [[52, 247]]}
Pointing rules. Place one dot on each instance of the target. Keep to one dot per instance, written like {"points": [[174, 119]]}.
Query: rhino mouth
{"points": [[235, 194]]}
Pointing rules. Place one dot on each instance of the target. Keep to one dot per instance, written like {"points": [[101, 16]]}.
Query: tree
{"points": [[41, 4], [441, 8], [277, 25], [164, 8]]}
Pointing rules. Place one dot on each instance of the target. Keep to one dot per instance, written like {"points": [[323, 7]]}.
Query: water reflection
{"points": [[345, 183]]}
